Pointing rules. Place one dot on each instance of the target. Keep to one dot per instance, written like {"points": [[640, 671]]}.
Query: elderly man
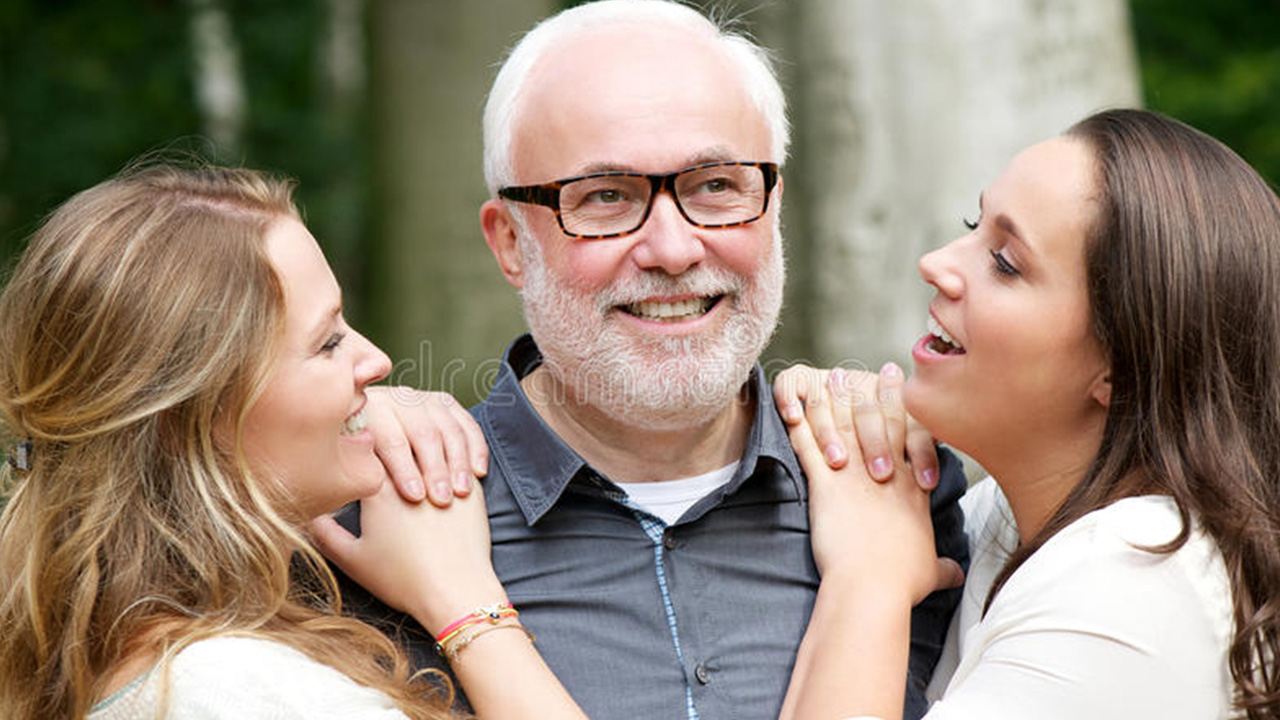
{"points": [[647, 512]]}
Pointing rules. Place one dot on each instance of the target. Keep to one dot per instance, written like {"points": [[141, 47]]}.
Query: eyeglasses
{"points": [[616, 203]]}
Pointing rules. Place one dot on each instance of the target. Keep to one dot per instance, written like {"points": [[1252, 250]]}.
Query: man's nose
{"points": [[666, 240]]}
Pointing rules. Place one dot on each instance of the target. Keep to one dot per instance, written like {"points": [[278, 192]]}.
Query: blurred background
{"points": [[902, 113]]}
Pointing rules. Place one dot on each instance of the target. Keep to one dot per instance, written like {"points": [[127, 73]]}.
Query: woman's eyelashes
{"points": [[332, 343], [971, 224], [1001, 266]]}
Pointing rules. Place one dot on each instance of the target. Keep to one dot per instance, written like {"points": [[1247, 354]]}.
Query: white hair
{"points": [[754, 62]]}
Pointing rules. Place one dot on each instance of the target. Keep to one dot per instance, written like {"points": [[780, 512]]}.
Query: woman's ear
{"points": [[500, 235], [1101, 389]]}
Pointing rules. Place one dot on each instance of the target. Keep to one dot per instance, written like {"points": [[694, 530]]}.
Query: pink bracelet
{"points": [[484, 613]]}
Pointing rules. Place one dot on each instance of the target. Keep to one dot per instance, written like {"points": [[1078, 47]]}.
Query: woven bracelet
{"points": [[484, 614], [462, 642]]}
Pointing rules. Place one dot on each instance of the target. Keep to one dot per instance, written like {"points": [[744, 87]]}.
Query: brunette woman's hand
{"points": [[800, 390], [868, 532], [431, 562], [429, 444]]}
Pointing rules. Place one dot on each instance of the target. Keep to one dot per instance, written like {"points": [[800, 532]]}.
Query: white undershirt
{"points": [[669, 499]]}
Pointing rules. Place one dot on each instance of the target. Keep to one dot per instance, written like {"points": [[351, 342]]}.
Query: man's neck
{"points": [[633, 453]]}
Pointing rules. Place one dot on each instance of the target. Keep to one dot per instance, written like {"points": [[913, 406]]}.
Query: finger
{"points": [[790, 389], [823, 405], [873, 439], [477, 448], [392, 446], [948, 574], [889, 398], [428, 449], [922, 453], [806, 447], [333, 540], [455, 441]]}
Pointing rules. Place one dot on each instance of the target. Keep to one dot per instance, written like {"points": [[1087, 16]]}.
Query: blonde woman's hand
{"points": [[429, 444], [874, 533], [433, 563]]}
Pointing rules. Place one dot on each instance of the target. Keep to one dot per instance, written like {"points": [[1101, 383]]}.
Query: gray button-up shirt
{"points": [[701, 619]]}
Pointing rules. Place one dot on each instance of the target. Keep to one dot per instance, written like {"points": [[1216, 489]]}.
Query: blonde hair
{"points": [[142, 319]]}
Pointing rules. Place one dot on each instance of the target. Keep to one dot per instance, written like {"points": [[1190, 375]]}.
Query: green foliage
{"points": [[1216, 65], [87, 85]]}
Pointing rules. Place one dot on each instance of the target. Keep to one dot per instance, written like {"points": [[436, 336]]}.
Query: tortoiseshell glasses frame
{"points": [[616, 203]]}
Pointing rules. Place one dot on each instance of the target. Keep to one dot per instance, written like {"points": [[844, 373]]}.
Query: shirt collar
{"points": [[538, 465]]}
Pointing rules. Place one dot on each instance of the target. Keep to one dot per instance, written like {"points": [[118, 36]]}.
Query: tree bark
{"points": [[219, 86], [903, 113], [444, 311]]}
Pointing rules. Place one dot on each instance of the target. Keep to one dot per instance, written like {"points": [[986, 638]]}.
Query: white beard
{"points": [[659, 383]]}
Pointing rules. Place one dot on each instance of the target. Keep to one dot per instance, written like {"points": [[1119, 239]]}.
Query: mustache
{"points": [[703, 281]]}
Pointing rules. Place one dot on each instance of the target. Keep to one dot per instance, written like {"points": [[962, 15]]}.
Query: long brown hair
{"points": [[1183, 268], [141, 323]]}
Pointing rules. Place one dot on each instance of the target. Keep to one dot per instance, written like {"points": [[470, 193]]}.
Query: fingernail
{"points": [[837, 378], [415, 489], [835, 453], [891, 370], [462, 480], [881, 468], [929, 478], [443, 490], [791, 413]]}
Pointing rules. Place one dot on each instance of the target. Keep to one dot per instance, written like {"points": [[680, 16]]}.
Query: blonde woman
{"points": [[186, 395]]}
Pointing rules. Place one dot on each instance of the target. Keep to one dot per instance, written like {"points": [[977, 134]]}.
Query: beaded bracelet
{"points": [[485, 613], [462, 642]]}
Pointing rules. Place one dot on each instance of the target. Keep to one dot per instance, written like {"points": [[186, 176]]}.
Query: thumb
{"points": [[333, 540], [948, 574]]}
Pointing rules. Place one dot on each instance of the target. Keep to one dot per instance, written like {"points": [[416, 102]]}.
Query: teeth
{"points": [[354, 424], [936, 330], [670, 311]]}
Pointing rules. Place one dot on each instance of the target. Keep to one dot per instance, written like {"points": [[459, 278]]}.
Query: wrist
{"points": [[438, 612], [882, 592]]}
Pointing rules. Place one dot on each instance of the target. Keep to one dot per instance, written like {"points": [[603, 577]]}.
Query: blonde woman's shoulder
{"points": [[247, 677]]}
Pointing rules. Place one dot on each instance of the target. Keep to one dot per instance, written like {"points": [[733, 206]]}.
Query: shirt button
{"points": [[702, 673], [669, 541]]}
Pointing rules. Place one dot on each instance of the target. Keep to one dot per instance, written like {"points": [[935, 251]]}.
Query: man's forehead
{"points": [[636, 98]]}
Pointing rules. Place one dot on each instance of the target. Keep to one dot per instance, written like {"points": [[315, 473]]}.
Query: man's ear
{"points": [[499, 229], [1101, 389]]}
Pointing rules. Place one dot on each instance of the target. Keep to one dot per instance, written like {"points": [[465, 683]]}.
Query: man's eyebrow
{"points": [[709, 155], [598, 167], [718, 153]]}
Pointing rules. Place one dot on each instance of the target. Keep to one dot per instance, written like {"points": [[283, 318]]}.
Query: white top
{"points": [[1089, 626], [241, 678], [669, 499]]}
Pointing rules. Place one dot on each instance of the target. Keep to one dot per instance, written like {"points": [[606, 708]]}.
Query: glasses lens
{"points": [[604, 205], [721, 194]]}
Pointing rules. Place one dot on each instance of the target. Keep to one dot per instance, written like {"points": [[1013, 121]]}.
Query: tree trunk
{"points": [[904, 112], [445, 312], [219, 86]]}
